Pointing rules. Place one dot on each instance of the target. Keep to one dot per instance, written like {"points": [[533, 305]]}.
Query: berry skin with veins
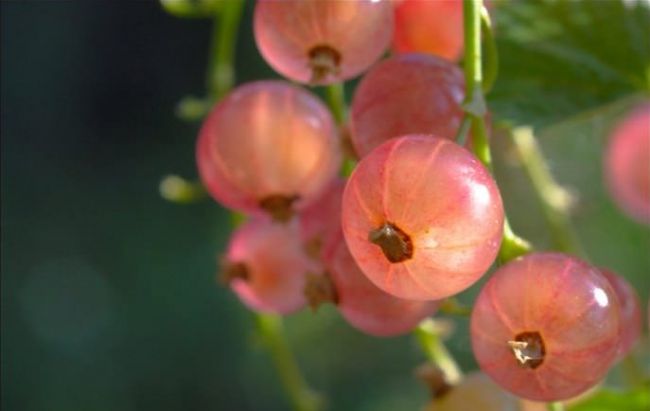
{"points": [[266, 267], [422, 217], [546, 327], [627, 164], [630, 311], [366, 307], [268, 148], [322, 41], [407, 94]]}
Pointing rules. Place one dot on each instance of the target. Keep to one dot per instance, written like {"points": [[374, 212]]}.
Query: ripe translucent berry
{"points": [[321, 220], [322, 41], [366, 307], [268, 147], [546, 326], [422, 217], [630, 307], [434, 27], [627, 164], [266, 266], [406, 94]]}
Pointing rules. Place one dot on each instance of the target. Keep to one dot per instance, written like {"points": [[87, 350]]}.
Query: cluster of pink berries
{"points": [[418, 220]]}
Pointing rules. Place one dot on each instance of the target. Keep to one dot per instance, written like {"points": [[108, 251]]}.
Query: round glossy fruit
{"points": [[368, 308], [630, 307], [322, 41], [627, 164], [422, 217], [266, 266], [546, 327], [407, 94], [434, 27], [268, 147]]}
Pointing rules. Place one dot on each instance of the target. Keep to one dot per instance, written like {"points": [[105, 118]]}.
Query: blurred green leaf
{"points": [[191, 8], [609, 400], [559, 57]]}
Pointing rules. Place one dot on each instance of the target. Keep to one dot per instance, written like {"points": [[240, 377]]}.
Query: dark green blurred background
{"points": [[108, 293]]}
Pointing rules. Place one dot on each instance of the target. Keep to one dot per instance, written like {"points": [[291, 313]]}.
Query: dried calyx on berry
{"points": [[279, 207], [231, 271], [325, 63], [320, 289], [528, 348], [395, 243]]}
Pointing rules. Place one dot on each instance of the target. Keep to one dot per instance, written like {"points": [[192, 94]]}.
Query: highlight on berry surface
{"points": [[407, 94], [322, 41], [422, 217], [366, 307], [268, 147], [265, 265], [627, 164], [546, 327]]}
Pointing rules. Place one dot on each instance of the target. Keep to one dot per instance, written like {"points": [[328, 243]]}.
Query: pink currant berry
{"points": [[627, 164], [407, 94], [546, 327], [268, 146], [322, 41], [266, 266], [630, 307], [434, 27], [365, 306], [321, 220], [422, 217]]}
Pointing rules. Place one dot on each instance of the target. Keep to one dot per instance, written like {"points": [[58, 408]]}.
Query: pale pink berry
{"points": [[423, 217]]}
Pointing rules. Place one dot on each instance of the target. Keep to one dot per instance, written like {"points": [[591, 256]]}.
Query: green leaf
{"points": [[610, 400], [559, 58]]}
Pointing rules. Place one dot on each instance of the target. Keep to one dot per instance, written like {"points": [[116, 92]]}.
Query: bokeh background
{"points": [[109, 299]]}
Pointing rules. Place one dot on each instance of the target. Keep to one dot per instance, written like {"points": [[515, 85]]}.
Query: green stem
{"points": [[430, 340], [555, 406], [336, 102], [491, 56], [461, 134], [475, 107], [271, 331], [512, 246], [553, 198], [221, 72]]}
